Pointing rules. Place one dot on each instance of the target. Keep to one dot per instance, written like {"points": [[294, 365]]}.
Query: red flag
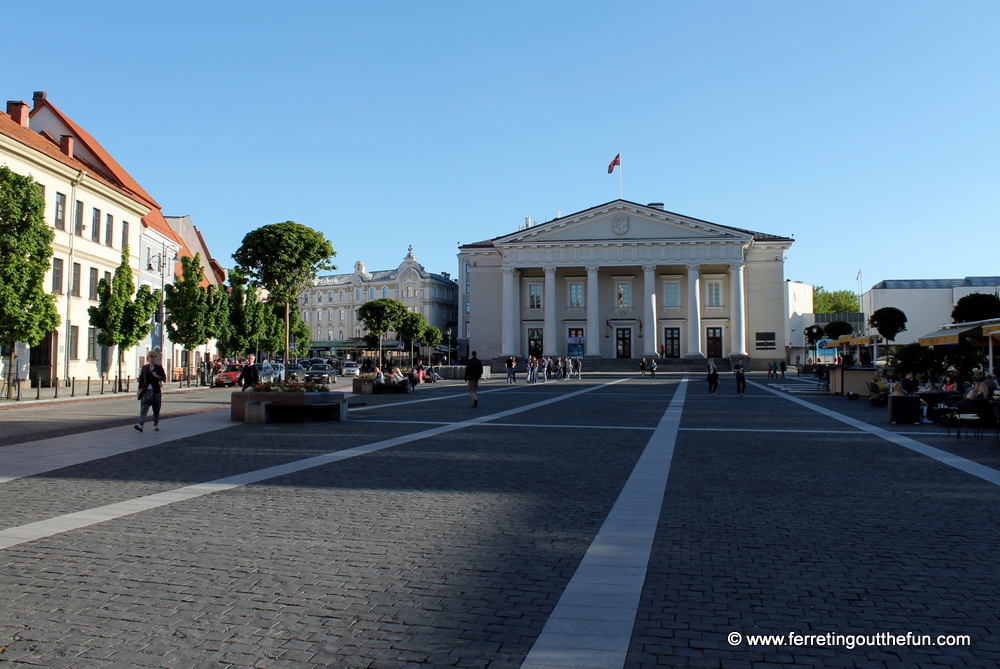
{"points": [[616, 161], [640, 326]]}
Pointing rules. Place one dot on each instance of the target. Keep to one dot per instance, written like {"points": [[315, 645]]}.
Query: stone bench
{"points": [[287, 407]]}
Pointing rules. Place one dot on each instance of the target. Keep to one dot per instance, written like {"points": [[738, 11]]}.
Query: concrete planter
{"points": [[364, 386], [237, 411]]}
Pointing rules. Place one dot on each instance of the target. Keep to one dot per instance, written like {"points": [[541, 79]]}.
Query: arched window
{"points": [[371, 293], [343, 295], [329, 296], [357, 294], [385, 291], [319, 298]]}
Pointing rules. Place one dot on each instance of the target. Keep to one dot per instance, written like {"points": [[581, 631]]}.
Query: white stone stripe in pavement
{"points": [[944, 457], [72, 521], [591, 624], [45, 455], [492, 424]]}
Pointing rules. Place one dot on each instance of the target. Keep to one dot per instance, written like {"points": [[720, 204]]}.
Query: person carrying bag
{"points": [[151, 380]]}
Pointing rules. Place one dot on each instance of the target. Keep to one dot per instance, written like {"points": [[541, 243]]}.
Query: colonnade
{"points": [[650, 309]]}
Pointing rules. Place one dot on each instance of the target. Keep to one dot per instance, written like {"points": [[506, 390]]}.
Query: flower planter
{"points": [[237, 410], [364, 386]]}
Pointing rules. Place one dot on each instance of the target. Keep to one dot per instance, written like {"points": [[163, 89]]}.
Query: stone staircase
{"points": [[631, 365]]}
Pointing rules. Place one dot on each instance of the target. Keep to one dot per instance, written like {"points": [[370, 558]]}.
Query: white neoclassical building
{"points": [[625, 280]]}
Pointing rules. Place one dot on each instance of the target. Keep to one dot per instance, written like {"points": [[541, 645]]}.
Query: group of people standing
{"points": [[544, 368]]}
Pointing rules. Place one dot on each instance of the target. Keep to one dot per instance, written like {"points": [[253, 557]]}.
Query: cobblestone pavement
{"points": [[453, 543]]}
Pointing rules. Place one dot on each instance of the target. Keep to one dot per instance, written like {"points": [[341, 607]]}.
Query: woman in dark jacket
{"points": [[151, 380]]}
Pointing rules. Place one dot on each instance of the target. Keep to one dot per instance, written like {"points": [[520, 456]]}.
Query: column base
{"points": [[695, 356]]}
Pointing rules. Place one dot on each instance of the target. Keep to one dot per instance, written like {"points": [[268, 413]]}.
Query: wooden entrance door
{"points": [[713, 342]]}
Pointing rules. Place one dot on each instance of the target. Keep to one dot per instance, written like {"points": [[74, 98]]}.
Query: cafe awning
{"points": [[947, 336]]}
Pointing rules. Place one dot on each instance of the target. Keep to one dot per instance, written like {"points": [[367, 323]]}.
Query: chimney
{"points": [[37, 98], [66, 145], [655, 205], [18, 111]]}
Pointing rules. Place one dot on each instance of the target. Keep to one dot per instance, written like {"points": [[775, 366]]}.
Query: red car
{"points": [[228, 376]]}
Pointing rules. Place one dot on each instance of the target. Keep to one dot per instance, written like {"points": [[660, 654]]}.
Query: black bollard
{"points": [[72, 387], [55, 385], [88, 386]]}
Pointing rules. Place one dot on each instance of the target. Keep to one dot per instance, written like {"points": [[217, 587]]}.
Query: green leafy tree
{"points": [[27, 312], [187, 303], [835, 329], [246, 318], [813, 334], [834, 302], [284, 258], [976, 307], [121, 319], [219, 323], [431, 336], [380, 316], [410, 329], [888, 322]]}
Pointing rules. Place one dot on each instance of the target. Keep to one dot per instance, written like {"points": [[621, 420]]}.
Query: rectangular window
{"points": [[93, 283], [468, 307], [79, 219], [535, 342], [576, 295], [57, 276], [75, 289], [109, 225], [74, 342], [714, 294], [624, 294], [60, 221], [124, 234], [671, 295], [107, 277], [535, 296], [766, 341], [91, 343], [95, 226], [341, 316]]}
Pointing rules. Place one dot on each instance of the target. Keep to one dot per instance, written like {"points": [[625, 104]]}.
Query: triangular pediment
{"points": [[623, 221]]}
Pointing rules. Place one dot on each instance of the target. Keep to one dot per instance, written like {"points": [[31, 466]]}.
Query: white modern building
{"points": [[799, 311], [927, 303], [625, 280], [329, 307]]}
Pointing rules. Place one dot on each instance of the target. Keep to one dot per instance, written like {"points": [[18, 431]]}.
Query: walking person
{"points": [[782, 367], [713, 377], [510, 365], [249, 376], [740, 372], [151, 379], [473, 372], [652, 368], [642, 368]]}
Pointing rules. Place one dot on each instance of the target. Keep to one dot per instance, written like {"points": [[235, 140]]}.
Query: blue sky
{"points": [[868, 130]]}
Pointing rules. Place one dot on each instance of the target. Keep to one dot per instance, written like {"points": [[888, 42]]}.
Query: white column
{"points": [[694, 313], [649, 326], [549, 336], [737, 311], [593, 341], [508, 325]]}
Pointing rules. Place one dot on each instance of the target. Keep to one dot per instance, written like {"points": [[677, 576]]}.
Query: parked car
{"points": [[294, 372], [321, 374], [279, 371], [228, 376], [350, 368], [266, 372]]}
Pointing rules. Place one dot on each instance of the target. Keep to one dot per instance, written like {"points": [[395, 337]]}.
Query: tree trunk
{"points": [[287, 333]]}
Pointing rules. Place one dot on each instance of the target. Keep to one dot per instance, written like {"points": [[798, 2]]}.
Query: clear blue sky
{"points": [[868, 130]]}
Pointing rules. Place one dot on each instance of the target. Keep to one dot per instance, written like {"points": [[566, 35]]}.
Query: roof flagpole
{"points": [[620, 170]]}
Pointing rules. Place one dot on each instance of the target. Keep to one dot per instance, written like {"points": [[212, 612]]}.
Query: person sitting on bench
{"points": [[398, 379], [378, 378]]}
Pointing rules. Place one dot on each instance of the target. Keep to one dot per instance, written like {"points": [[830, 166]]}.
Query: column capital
{"points": [[592, 268], [649, 268], [508, 270], [737, 264], [549, 269], [693, 267]]}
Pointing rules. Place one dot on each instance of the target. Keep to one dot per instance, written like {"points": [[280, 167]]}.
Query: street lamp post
{"points": [[448, 332], [160, 259]]}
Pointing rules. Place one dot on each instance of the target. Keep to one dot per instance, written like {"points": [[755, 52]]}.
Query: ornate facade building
{"points": [[329, 307], [625, 280]]}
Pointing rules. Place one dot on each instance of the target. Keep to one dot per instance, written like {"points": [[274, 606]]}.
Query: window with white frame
{"points": [[535, 296], [341, 315], [357, 294], [714, 294], [343, 295], [576, 295], [329, 296], [623, 294], [385, 291], [671, 294], [371, 293]]}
